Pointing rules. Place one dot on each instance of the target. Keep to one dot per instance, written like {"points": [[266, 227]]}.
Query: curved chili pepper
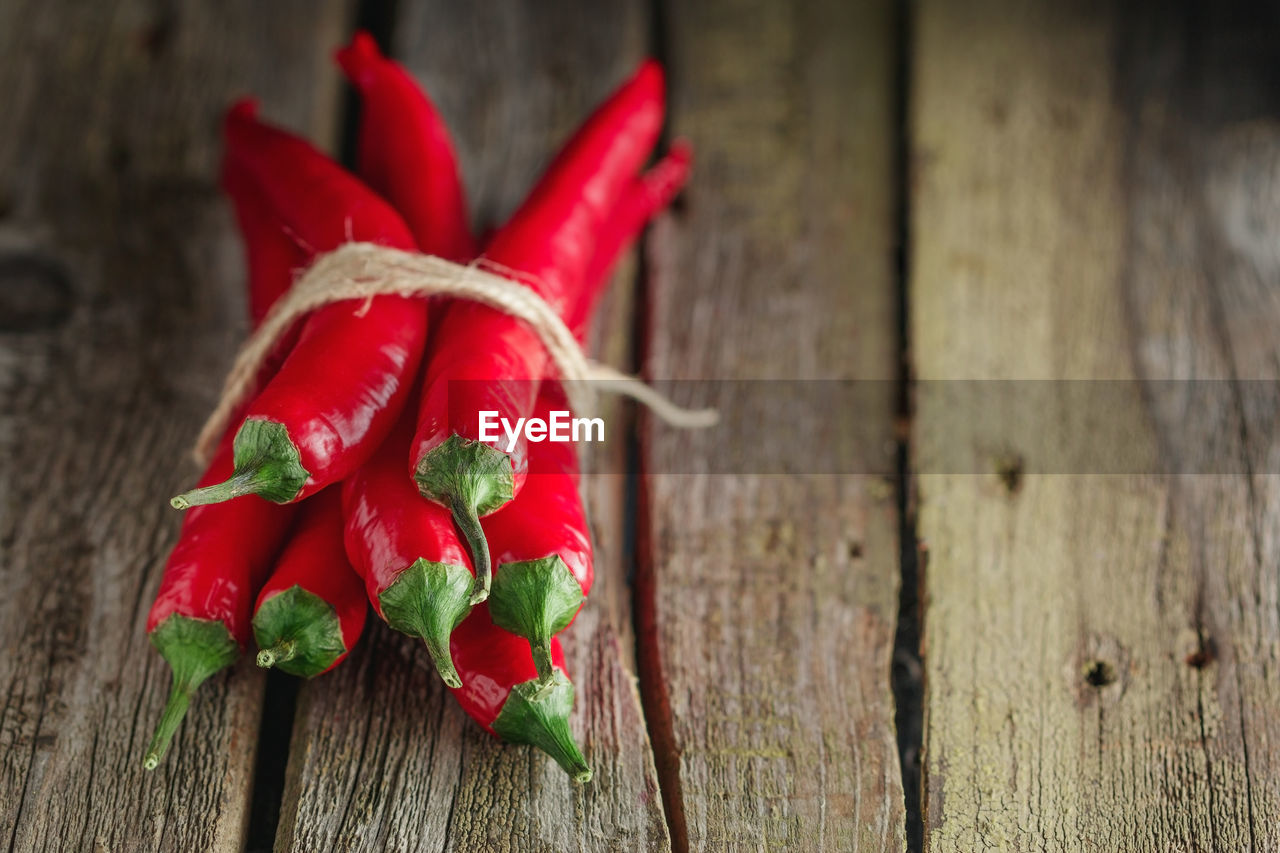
{"points": [[541, 546], [200, 619], [414, 167], [416, 572], [341, 388], [540, 542], [548, 244], [644, 198], [405, 152], [272, 256], [312, 609], [502, 692]]}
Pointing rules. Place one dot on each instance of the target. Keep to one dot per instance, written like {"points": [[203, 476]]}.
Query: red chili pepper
{"points": [[541, 545], [502, 692], [644, 198], [341, 389], [416, 572], [540, 542], [200, 619], [405, 152], [272, 256], [550, 242], [312, 609]]}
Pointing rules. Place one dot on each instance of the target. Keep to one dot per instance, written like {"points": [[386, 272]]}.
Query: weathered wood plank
{"points": [[120, 305], [767, 603], [1093, 183], [382, 758]]}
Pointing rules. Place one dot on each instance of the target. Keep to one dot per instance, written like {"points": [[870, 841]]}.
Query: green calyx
{"points": [[471, 479], [538, 714], [267, 464], [471, 471], [536, 599], [195, 649], [298, 632], [428, 600]]}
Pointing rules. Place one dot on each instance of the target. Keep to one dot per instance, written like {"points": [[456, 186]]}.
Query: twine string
{"points": [[366, 270]]}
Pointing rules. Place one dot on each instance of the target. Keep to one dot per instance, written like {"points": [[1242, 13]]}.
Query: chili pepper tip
{"points": [[356, 56], [243, 109]]}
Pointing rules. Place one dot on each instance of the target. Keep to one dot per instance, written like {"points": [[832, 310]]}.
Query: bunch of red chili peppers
{"points": [[369, 409]]}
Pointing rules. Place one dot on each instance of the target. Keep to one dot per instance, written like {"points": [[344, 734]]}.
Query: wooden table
{"points": [[970, 656]]}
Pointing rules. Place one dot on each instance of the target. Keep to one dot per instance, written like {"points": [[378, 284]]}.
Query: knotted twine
{"points": [[366, 270]]}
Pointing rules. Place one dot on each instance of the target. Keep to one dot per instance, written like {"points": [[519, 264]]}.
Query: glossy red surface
{"points": [[549, 242], [315, 559], [491, 661], [644, 197], [406, 153], [547, 518], [388, 525], [341, 388], [224, 553]]}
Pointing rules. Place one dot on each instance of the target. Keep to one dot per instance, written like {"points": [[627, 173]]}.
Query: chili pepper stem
{"points": [[536, 599], [428, 600], [241, 483], [281, 652], [538, 714], [195, 649], [299, 632], [468, 522], [266, 464], [174, 711], [471, 479]]}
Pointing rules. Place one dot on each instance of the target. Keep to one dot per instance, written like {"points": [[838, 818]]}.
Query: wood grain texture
{"points": [[382, 757], [1094, 199], [767, 603], [121, 297]]}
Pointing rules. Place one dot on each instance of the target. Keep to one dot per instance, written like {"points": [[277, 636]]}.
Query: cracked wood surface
{"points": [[382, 757], [1094, 198], [767, 603], [120, 305]]}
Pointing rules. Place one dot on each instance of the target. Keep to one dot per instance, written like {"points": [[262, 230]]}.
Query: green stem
{"points": [[240, 483], [539, 715], [468, 521], [266, 464], [471, 479], [195, 649], [428, 600], [542, 660], [299, 632], [174, 710], [443, 660], [536, 599], [281, 652]]}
